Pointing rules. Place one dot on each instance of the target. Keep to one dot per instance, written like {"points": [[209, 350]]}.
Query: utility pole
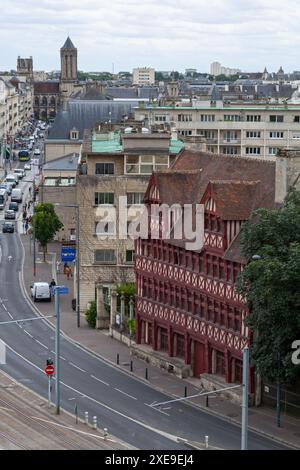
{"points": [[244, 444], [57, 347]]}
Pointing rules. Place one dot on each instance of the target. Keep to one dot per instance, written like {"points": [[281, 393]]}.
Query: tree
{"points": [[271, 286], [45, 224], [91, 314]]}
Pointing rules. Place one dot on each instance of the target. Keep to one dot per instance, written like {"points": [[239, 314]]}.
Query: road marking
{"points": [[157, 409], [4, 307], [99, 380], [63, 358], [28, 333], [74, 365], [37, 341], [124, 393]]}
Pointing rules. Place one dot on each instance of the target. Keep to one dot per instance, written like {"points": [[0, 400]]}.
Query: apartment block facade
{"points": [[249, 131], [143, 76], [114, 165]]}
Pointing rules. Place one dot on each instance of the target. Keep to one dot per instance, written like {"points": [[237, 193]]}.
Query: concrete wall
{"points": [[56, 149], [62, 195]]}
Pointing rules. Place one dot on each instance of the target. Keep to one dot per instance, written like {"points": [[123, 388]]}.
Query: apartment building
{"points": [[114, 164], [143, 76], [243, 130]]}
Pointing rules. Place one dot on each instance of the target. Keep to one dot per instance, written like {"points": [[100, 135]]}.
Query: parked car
{"points": [[9, 215], [14, 206], [40, 291], [8, 227], [12, 179], [3, 198], [37, 152], [27, 166]]}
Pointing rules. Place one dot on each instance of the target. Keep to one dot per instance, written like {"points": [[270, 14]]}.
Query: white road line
{"points": [[99, 380], [74, 365], [4, 307], [124, 393], [37, 341], [28, 333], [156, 409], [63, 358]]}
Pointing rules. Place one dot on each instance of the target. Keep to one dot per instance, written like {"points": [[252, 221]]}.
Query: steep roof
{"points": [[83, 115], [48, 87], [68, 44]]}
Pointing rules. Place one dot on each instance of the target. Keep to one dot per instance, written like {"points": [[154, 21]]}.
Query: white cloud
{"points": [[167, 34]]}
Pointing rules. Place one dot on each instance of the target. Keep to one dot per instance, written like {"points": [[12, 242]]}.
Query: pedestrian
{"points": [[68, 272], [65, 267], [24, 215], [58, 267], [26, 226], [30, 190], [52, 283]]}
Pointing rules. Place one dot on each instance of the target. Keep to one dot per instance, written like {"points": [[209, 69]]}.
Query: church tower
{"points": [[68, 56]]}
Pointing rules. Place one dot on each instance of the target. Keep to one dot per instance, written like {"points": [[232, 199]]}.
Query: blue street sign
{"points": [[62, 290], [68, 255]]}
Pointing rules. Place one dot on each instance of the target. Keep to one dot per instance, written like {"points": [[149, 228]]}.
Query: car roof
{"points": [[41, 284]]}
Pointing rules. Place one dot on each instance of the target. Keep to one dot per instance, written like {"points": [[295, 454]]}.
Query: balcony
{"points": [[231, 141]]}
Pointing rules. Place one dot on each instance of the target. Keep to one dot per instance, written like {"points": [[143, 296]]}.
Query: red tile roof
{"points": [[45, 88]]}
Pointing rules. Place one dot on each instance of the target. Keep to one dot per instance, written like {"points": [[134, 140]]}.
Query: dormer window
{"points": [[74, 134]]}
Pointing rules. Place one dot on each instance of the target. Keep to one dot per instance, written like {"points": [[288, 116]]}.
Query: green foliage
{"points": [[83, 76], [131, 325], [91, 314], [271, 286], [45, 224], [128, 290]]}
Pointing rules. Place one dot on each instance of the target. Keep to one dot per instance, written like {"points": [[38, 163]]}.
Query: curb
{"points": [[144, 381]]}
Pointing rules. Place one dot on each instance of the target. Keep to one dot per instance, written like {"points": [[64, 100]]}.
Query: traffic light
{"points": [[49, 362]]}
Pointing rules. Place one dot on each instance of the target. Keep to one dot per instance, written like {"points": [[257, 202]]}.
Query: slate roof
{"points": [[65, 163], [68, 44], [84, 115]]}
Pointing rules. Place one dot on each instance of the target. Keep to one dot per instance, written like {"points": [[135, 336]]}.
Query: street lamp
{"points": [[75, 206], [278, 387]]}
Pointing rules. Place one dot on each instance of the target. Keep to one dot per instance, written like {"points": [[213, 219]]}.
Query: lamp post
{"points": [[75, 206]]}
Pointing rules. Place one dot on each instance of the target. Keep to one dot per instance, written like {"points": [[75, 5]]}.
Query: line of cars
{"points": [[9, 188]]}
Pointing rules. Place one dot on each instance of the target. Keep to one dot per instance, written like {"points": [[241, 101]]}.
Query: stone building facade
{"points": [[114, 165]]}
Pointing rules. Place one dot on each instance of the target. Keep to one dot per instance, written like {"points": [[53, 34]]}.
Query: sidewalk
{"points": [[262, 420]]}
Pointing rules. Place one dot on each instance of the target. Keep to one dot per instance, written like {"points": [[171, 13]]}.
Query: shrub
{"points": [[91, 314]]}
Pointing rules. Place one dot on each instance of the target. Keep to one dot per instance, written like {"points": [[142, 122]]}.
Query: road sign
{"points": [[63, 290], [49, 370], [68, 254]]}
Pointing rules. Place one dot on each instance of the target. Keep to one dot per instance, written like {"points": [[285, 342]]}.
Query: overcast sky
{"points": [[165, 34]]}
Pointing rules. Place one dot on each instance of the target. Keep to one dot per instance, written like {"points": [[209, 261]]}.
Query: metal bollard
{"points": [[206, 442], [146, 373], [95, 422], [131, 366], [118, 359], [86, 417], [105, 434], [207, 405], [185, 391]]}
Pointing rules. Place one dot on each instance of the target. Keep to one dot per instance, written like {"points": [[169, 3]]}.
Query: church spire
{"points": [[68, 44]]}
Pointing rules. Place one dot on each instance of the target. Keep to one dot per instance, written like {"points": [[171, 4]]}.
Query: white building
{"points": [[246, 130], [143, 76], [217, 69]]}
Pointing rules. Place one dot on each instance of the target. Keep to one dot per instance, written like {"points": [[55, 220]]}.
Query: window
{"points": [[276, 135], [297, 118], [253, 118], [273, 150], [185, 117], [105, 169], [230, 150], [296, 135], [145, 164], [276, 118], [161, 118], [253, 134], [104, 198], [252, 150], [129, 256], [207, 117], [185, 133], [135, 198], [232, 117], [105, 256]]}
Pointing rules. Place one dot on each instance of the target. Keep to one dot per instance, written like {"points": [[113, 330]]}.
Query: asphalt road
{"points": [[120, 401]]}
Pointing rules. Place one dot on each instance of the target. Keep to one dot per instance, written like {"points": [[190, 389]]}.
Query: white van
{"points": [[16, 195], [3, 198], [40, 291]]}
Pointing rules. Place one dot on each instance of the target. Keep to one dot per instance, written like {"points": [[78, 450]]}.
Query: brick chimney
{"points": [[287, 172]]}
